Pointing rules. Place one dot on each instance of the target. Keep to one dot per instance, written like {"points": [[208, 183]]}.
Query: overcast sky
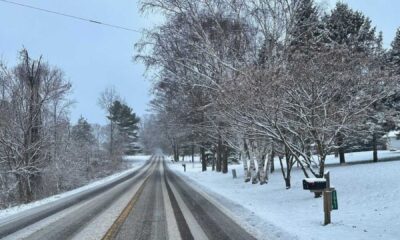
{"points": [[94, 57]]}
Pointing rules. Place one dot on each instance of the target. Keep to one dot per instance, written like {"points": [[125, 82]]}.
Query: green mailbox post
{"points": [[329, 194], [334, 200]]}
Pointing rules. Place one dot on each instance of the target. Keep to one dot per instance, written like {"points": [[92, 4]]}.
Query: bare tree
{"points": [[32, 86], [105, 101], [261, 76]]}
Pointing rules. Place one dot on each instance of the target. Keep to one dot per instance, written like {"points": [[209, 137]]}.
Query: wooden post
{"points": [[234, 173], [327, 207], [328, 180], [327, 195]]}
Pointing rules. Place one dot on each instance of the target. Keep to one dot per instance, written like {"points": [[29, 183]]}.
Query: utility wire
{"points": [[70, 16]]}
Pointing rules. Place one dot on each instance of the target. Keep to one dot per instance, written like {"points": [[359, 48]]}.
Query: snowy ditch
{"points": [[137, 162]]}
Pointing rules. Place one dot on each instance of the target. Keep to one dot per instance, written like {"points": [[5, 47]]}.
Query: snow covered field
{"points": [[368, 197], [331, 159], [364, 156], [136, 162]]}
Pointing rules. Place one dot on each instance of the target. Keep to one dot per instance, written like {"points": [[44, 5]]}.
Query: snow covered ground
{"points": [[368, 197], [136, 162], [364, 156], [331, 159]]}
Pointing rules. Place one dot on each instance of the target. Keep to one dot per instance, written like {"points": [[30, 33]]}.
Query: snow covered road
{"points": [[168, 208], [150, 203], [77, 201]]}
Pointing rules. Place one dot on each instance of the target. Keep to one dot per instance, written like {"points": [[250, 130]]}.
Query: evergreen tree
{"points": [[127, 124], [394, 53], [350, 28], [84, 141], [306, 28], [351, 32], [82, 132]]}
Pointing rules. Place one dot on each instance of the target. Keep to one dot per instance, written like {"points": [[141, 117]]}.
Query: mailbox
{"points": [[314, 184]]}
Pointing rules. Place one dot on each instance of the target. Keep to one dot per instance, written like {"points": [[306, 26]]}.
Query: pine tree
{"points": [[82, 132], [394, 54], [306, 27], [127, 124], [351, 32], [350, 28], [84, 142]]}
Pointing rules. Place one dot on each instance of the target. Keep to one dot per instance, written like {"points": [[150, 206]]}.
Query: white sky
{"points": [[92, 56]]}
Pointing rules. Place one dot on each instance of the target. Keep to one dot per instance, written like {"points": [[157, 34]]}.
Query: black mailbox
{"points": [[314, 183]]}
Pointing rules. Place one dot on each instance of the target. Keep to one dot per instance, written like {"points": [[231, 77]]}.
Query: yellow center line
{"points": [[113, 230]]}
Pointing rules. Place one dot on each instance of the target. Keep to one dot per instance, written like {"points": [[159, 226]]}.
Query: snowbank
{"points": [[136, 162], [368, 197]]}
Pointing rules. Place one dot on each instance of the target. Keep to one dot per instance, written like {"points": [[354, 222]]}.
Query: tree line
{"points": [[259, 79], [41, 152]]}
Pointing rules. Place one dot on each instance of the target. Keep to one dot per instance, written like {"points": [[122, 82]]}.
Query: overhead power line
{"points": [[70, 16]]}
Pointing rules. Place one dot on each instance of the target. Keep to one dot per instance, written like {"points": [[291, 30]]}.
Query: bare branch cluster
{"points": [[267, 78]]}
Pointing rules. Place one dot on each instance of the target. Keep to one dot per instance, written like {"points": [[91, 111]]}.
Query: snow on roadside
{"points": [[367, 195], [364, 156], [137, 158], [136, 162]]}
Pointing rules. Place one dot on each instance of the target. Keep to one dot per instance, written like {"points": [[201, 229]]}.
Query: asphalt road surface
{"points": [[153, 203]]}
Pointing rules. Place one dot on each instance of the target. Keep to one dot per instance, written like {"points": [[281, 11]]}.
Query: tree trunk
{"points": [[33, 180], [374, 147], [21, 188], [112, 140], [225, 160], [268, 160], [253, 172], [213, 163], [341, 156], [192, 153], [289, 164], [272, 160], [321, 174], [245, 168], [246, 157], [341, 148], [261, 172], [176, 153], [203, 159], [219, 154]]}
